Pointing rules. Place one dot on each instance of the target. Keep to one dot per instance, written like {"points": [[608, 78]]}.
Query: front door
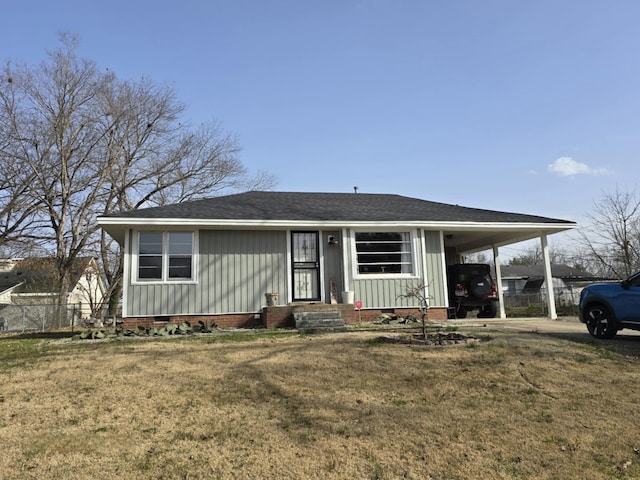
{"points": [[305, 264]]}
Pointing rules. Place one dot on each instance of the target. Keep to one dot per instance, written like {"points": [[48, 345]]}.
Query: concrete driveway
{"points": [[565, 327]]}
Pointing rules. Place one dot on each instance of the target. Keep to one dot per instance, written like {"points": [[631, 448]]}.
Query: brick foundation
{"points": [[437, 314], [280, 317]]}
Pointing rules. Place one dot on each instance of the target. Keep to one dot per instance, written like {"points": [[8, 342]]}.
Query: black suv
{"points": [[471, 287]]}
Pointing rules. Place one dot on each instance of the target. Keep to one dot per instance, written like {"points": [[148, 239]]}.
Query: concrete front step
{"points": [[327, 320]]}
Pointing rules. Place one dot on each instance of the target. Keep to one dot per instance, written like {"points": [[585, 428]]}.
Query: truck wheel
{"points": [[489, 311], [600, 321]]}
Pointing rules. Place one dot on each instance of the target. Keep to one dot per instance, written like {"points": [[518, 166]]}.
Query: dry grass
{"points": [[338, 406]]}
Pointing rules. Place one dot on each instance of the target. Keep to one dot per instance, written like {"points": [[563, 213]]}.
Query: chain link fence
{"points": [[563, 297], [566, 300], [48, 317]]}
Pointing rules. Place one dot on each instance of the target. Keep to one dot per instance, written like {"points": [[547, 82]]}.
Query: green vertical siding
{"points": [[434, 252], [239, 267], [382, 293], [161, 299], [234, 271]]}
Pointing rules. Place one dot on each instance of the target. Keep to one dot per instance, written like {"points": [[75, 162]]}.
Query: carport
{"points": [[470, 237]]}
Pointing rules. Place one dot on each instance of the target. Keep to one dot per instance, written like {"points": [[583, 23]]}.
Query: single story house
{"points": [[219, 258]]}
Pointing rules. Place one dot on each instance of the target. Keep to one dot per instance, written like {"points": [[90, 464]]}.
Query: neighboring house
{"points": [[215, 259], [32, 281], [567, 281]]}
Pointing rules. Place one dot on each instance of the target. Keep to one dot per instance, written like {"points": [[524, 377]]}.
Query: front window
{"points": [[165, 256], [150, 255], [180, 254], [384, 253]]}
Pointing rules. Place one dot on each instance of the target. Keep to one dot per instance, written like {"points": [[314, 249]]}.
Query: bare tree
{"points": [[155, 159], [479, 257], [612, 239], [55, 138], [19, 210], [418, 293], [533, 256], [90, 144], [20, 216]]}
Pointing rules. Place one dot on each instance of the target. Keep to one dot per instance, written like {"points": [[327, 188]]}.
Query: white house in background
{"points": [[32, 281]]}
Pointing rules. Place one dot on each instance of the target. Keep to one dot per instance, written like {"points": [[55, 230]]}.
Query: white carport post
{"points": [[548, 279], [496, 260]]}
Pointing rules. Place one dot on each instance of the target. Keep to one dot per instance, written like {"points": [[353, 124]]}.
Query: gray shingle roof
{"points": [[537, 271], [38, 275], [347, 207]]}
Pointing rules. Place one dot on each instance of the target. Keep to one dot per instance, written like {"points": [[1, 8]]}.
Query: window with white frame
{"points": [[384, 253], [165, 256]]}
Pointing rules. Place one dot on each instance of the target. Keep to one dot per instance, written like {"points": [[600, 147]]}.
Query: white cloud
{"points": [[568, 167]]}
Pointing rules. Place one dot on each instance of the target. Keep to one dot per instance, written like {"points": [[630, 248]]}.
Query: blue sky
{"points": [[509, 105]]}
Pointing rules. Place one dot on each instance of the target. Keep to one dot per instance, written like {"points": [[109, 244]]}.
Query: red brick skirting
{"points": [[279, 317]]}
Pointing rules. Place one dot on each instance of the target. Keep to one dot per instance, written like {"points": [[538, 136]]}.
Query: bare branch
{"points": [[612, 239], [76, 142]]}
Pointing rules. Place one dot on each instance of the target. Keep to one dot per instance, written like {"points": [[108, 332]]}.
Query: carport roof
{"points": [[331, 210]]}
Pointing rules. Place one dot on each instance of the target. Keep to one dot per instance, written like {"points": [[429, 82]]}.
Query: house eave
{"points": [[433, 225], [11, 289], [116, 226]]}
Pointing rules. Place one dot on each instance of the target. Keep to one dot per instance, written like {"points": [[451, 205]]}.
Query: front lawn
{"points": [[334, 406]]}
